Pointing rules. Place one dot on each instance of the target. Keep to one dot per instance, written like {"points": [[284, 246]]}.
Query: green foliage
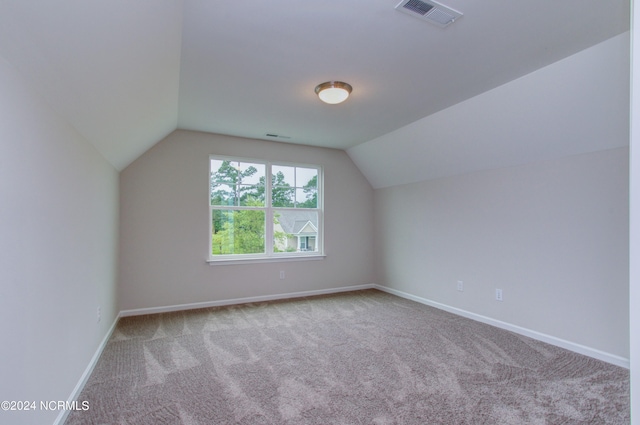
{"points": [[280, 237], [311, 191], [281, 192], [227, 188], [240, 231]]}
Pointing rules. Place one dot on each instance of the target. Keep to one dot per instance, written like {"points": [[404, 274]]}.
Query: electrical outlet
{"points": [[460, 286], [499, 294], [99, 315], [281, 274]]}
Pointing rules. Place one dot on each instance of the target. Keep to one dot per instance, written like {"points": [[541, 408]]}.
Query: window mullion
{"points": [[269, 212]]}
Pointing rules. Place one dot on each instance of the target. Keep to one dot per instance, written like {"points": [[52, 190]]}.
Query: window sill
{"points": [[238, 261]]}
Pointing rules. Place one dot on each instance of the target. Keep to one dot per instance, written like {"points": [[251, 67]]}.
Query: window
{"points": [[262, 210]]}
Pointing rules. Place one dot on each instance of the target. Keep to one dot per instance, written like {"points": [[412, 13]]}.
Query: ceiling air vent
{"points": [[429, 11], [277, 136]]}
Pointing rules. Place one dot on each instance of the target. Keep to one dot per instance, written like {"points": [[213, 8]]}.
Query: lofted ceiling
{"points": [[127, 73]]}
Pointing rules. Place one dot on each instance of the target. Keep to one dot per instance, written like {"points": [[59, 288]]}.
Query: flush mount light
{"points": [[333, 92]]}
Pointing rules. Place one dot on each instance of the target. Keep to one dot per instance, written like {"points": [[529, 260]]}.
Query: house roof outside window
{"points": [[298, 222]]}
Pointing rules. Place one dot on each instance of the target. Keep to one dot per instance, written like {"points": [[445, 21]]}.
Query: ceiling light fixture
{"points": [[333, 92]]}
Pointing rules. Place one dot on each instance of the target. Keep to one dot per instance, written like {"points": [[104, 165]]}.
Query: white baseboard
{"points": [[87, 373], [191, 306], [568, 345]]}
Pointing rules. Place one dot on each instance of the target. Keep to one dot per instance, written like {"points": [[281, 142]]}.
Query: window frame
{"points": [[269, 255]]}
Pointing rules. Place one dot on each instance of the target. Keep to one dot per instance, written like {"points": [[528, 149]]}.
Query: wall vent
{"points": [[429, 11], [277, 136]]}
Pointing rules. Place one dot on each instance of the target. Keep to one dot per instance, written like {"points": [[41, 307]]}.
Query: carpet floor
{"points": [[364, 357]]}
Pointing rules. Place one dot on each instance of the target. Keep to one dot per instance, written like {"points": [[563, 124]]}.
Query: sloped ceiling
{"points": [[126, 73], [577, 105], [111, 67]]}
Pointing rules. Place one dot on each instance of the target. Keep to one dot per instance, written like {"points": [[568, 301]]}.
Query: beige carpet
{"points": [[363, 357]]}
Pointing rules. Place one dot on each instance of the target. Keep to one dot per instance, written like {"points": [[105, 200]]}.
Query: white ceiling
{"points": [[126, 73]]}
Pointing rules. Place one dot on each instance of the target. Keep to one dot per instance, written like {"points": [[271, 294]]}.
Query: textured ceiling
{"points": [[126, 73]]}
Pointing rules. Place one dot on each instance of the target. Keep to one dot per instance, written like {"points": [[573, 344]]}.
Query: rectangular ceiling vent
{"points": [[277, 136], [429, 11]]}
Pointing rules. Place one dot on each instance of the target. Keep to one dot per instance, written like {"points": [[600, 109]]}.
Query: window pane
{"points": [[237, 232], [307, 198], [233, 182], [243, 195], [282, 186], [282, 196], [240, 204], [251, 195], [215, 165], [295, 231], [283, 175], [251, 173], [306, 177], [222, 194]]}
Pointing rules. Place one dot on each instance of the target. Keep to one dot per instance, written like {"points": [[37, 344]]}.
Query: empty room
{"points": [[336, 212]]}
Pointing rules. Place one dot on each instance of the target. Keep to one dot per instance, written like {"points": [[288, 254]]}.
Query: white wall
{"points": [[634, 234], [552, 235], [58, 250], [576, 105], [164, 226]]}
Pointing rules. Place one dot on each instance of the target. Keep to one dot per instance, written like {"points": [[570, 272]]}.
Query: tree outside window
{"points": [[252, 219]]}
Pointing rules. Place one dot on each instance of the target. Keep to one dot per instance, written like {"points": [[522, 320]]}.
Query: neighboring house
{"points": [[301, 228]]}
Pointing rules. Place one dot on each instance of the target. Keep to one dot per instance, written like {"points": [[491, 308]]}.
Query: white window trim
{"points": [[269, 255], [237, 261]]}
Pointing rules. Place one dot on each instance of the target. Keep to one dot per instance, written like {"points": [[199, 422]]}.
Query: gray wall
{"points": [[552, 235], [576, 105], [59, 213], [164, 226], [634, 281]]}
